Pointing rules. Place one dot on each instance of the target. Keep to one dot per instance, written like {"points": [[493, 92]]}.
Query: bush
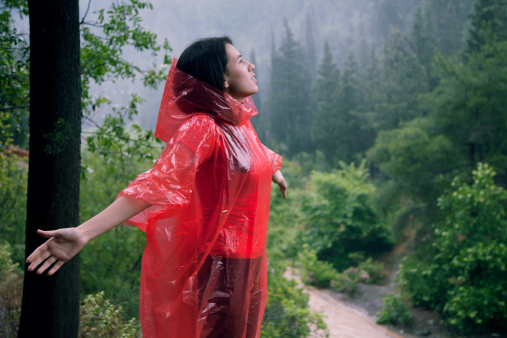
{"points": [[7, 267], [394, 311], [287, 313], [424, 283], [348, 280], [345, 283], [340, 216], [465, 279], [313, 271], [100, 318], [10, 294], [356, 257], [285, 222], [13, 184], [374, 270]]}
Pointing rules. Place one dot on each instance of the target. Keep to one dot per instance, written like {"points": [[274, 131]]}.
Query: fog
{"points": [[252, 25], [256, 26]]}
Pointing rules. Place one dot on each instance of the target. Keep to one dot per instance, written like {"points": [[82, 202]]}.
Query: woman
{"points": [[204, 205]]}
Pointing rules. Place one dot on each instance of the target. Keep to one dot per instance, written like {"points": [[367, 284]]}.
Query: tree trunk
{"points": [[50, 305]]}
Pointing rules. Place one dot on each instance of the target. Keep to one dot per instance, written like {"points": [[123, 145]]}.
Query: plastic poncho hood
{"points": [[184, 94], [204, 264]]}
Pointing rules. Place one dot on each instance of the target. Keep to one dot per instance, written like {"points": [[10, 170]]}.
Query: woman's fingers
{"points": [[39, 254], [283, 187], [50, 261], [48, 234], [38, 260], [284, 191], [36, 253], [55, 268], [43, 247], [278, 179]]}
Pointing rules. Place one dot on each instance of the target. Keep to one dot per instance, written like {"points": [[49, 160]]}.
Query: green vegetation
{"points": [[465, 278], [287, 313], [394, 311], [13, 183], [100, 318], [103, 181], [375, 271], [340, 217], [10, 293], [313, 271]]}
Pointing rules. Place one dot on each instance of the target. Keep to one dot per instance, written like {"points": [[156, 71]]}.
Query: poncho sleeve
{"points": [[168, 185], [274, 159]]}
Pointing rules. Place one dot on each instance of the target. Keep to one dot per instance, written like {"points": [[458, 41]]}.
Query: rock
{"points": [[423, 332]]}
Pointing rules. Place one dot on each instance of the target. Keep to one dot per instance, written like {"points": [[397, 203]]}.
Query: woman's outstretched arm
{"points": [[63, 244], [278, 179]]}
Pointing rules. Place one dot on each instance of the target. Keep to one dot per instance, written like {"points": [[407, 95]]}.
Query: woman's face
{"points": [[240, 80]]}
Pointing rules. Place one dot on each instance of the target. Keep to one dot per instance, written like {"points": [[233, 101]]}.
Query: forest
{"points": [[392, 136]]}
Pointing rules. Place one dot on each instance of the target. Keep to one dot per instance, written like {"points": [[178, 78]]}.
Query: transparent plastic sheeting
{"points": [[204, 265]]}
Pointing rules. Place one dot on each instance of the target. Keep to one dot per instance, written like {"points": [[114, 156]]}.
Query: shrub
{"points": [[344, 283], [13, 184], [285, 222], [374, 270], [340, 216], [10, 294], [100, 318], [356, 257], [424, 283], [465, 279], [357, 274], [394, 311], [287, 313], [7, 267], [313, 271]]}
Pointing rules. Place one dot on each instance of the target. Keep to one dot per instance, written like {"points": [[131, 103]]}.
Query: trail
{"points": [[343, 321]]}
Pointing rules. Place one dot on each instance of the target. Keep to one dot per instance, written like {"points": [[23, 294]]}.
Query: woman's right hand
{"points": [[62, 245]]}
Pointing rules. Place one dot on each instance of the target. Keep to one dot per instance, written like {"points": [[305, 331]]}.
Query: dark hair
{"points": [[206, 60]]}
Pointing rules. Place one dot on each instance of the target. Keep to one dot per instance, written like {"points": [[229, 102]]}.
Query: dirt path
{"points": [[343, 321]]}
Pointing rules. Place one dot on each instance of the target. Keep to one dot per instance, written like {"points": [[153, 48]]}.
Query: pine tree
{"points": [[489, 24], [387, 18], [256, 97], [324, 131], [423, 46], [446, 25], [310, 46], [420, 41], [340, 129], [404, 78], [357, 136], [291, 119], [261, 121]]}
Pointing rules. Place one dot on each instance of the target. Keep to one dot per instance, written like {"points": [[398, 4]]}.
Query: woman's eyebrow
{"points": [[239, 57]]}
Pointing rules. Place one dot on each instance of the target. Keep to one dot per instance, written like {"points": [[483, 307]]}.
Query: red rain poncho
{"points": [[204, 265]]}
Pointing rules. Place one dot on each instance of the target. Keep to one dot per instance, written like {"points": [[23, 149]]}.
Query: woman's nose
{"points": [[252, 66]]}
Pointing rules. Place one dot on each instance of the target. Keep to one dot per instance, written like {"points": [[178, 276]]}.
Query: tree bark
{"points": [[50, 305]]}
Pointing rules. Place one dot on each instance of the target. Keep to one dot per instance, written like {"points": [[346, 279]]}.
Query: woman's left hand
{"points": [[278, 179]]}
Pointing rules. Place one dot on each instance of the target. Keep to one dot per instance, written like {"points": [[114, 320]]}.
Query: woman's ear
{"points": [[226, 83]]}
